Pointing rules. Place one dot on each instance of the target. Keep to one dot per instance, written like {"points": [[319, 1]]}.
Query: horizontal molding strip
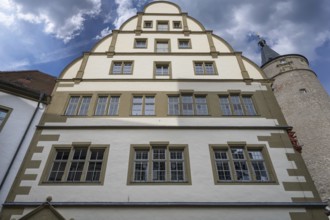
{"points": [[174, 204], [162, 127]]}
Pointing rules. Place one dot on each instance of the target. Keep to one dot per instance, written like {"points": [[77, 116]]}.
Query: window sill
{"points": [[244, 116], [71, 183], [160, 183], [271, 182]]}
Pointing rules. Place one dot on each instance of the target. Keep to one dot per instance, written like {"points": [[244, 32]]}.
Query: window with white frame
{"points": [[162, 46], [162, 26], [107, 105], [140, 43], [159, 164], [122, 68], [240, 164], [78, 105], [76, 164], [162, 69], [143, 105], [187, 104], [204, 68], [235, 104]]}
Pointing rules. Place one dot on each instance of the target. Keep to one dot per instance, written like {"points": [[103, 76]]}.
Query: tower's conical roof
{"points": [[267, 53]]}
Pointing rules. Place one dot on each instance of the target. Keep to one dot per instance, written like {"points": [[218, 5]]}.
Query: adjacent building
{"points": [[23, 98], [306, 106], [162, 119]]}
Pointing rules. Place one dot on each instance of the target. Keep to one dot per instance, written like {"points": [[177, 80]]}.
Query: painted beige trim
{"points": [[256, 66], [138, 29], [8, 112], [213, 50], [45, 211], [111, 50], [149, 147], [309, 214], [81, 71], [245, 73], [186, 30]]}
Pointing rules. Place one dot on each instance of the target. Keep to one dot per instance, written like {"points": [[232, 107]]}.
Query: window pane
{"points": [[187, 105], [116, 69], [127, 68], [59, 165], [83, 110], [3, 114], [225, 105], [162, 26], [222, 165], [258, 165], [141, 165], [77, 164], [209, 69], [201, 105], [101, 105], [162, 69], [173, 105], [140, 43], [237, 107], [240, 164], [177, 165], [137, 105], [114, 105], [95, 165], [183, 43], [162, 47], [72, 106], [199, 68], [248, 105], [149, 108]]}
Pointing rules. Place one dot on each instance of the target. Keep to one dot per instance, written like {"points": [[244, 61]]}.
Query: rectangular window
{"points": [[147, 24], [187, 105], [240, 164], [122, 68], [159, 164], [77, 164], [162, 69], [237, 105], [140, 43], [4, 115], [162, 26], [78, 105], [184, 44], [162, 46], [204, 68], [143, 105], [107, 105], [177, 24]]}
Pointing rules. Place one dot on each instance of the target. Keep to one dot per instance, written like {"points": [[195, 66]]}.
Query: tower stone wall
{"points": [[306, 107]]}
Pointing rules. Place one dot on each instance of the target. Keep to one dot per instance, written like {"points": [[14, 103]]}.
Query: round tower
{"points": [[306, 107]]}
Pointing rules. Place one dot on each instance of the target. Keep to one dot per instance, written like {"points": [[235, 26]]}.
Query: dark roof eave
{"points": [[281, 56]]}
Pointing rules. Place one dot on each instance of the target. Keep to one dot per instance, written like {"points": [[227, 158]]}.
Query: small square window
{"points": [[162, 69], [140, 43], [147, 24], [177, 24], [162, 26], [184, 44]]}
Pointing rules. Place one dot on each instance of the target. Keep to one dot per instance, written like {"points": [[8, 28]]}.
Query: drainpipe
{"points": [[22, 140]]}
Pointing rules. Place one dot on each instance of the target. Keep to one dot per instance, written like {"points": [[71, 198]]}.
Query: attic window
{"points": [[283, 61], [147, 24], [303, 91]]}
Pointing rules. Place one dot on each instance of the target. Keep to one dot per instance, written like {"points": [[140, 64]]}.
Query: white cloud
{"points": [[103, 33], [63, 19], [125, 10]]}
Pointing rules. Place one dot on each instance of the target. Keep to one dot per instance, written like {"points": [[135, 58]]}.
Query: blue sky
{"points": [[47, 35]]}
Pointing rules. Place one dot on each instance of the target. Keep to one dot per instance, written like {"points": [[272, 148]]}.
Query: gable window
{"points": [[107, 105], [162, 46], [235, 104], [122, 68], [77, 164], [140, 43], [147, 24], [159, 164], [4, 114], [240, 164], [143, 105], [187, 105], [162, 69], [162, 26], [204, 68], [78, 105], [177, 24], [184, 44]]}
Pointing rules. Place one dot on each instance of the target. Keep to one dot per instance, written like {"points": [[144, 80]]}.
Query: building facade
{"points": [[163, 120], [23, 97], [306, 106]]}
